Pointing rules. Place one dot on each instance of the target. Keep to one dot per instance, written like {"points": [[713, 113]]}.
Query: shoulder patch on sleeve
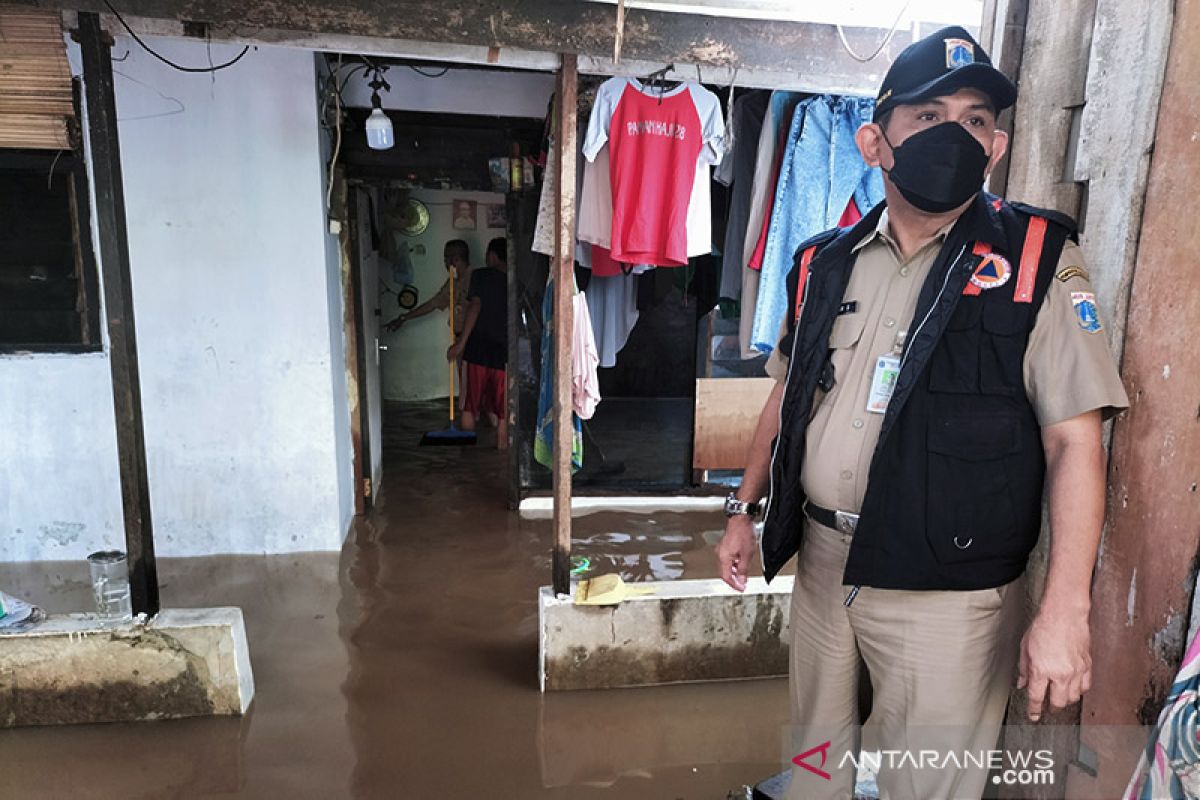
{"points": [[1085, 311], [1066, 274]]}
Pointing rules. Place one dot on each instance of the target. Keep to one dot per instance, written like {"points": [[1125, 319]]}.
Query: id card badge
{"points": [[883, 383]]}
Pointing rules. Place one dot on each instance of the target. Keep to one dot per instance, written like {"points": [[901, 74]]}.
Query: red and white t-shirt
{"points": [[595, 220], [655, 144]]}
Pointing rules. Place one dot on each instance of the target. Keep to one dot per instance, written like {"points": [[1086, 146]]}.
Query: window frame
{"points": [[73, 167]]}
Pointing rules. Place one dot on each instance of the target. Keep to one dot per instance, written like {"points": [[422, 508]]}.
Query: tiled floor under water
{"points": [[406, 665]]}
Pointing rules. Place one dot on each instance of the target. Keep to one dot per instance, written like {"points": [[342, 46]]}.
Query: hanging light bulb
{"points": [[380, 135]]}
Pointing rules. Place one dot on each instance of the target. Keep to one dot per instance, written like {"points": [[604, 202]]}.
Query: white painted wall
{"points": [[239, 331], [414, 365], [459, 91], [235, 301], [60, 494]]}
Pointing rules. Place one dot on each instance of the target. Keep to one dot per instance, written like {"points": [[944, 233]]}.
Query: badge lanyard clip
{"points": [[887, 372]]}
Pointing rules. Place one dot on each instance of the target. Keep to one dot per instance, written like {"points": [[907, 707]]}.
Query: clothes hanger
{"points": [[657, 81]]}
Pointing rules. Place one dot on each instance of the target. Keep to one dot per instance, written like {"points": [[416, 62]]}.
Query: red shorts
{"points": [[483, 390]]}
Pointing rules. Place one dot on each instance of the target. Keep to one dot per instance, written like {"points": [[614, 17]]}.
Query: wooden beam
{"points": [[1144, 585], [1006, 46], [95, 47], [345, 208], [803, 55], [566, 98]]}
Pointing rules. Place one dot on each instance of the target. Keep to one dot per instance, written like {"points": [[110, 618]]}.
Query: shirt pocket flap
{"points": [[847, 330], [974, 438]]}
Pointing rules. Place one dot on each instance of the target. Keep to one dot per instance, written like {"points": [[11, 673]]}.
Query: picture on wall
{"points": [[464, 215], [497, 216]]}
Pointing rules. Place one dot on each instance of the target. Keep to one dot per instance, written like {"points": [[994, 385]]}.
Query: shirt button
{"points": [[889, 323], [858, 423], [904, 272], [847, 474]]}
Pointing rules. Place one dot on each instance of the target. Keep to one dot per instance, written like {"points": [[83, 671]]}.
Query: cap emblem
{"points": [[959, 53]]}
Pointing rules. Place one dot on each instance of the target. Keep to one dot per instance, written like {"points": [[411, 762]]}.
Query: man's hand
{"points": [[1055, 660], [736, 551], [454, 352], [395, 324]]}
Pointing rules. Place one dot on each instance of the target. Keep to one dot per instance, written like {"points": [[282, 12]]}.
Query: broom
{"points": [[451, 435]]}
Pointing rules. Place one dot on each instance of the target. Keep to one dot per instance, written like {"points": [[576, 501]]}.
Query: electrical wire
{"points": [[337, 142], [166, 60], [886, 39], [419, 71], [50, 176], [181, 107]]}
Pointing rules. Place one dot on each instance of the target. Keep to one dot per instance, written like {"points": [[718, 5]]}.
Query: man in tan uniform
{"points": [[934, 621]]}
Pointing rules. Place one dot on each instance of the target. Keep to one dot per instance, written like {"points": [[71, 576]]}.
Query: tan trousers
{"points": [[941, 664]]}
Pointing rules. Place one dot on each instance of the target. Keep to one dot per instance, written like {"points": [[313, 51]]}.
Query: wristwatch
{"points": [[734, 507]]}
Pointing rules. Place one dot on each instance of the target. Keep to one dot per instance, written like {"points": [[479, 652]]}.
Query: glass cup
{"points": [[110, 584]]}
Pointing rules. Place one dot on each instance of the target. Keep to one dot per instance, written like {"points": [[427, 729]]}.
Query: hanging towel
{"points": [[614, 311], [585, 383], [543, 443]]}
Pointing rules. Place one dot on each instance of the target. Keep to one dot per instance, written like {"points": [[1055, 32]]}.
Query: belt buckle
{"points": [[846, 522]]}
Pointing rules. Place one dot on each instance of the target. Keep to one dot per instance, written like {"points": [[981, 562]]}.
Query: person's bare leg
{"points": [[468, 421], [502, 433]]}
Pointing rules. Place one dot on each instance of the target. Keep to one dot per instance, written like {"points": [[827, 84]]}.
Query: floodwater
{"points": [[406, 665]]}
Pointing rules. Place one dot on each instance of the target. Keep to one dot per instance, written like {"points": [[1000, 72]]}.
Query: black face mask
{"points": [[938, 169]]}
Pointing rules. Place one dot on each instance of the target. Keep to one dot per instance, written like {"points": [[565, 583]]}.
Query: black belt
{"points": [[842, 521]]}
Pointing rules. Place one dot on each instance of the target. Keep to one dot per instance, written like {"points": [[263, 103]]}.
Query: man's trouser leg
{"points": [[942, 665], [824, 670]]}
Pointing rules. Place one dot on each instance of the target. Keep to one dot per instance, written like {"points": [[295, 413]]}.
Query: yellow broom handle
{"points": [[453, 298]]}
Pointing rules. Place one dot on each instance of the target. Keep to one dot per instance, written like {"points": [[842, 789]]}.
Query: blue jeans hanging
{"points": [[821, 170]]}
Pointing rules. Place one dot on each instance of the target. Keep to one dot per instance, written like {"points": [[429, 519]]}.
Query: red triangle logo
{"points": [[823, 749]]}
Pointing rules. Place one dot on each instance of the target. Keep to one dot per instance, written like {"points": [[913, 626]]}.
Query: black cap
{"points": [[941, 64]]}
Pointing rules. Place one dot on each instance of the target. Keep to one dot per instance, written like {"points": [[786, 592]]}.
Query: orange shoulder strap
{"points": [[1031, 254], [805, 260], [980, 249]]}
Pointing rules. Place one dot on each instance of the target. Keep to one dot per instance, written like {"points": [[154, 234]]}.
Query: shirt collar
{"points": [[981, 221]]}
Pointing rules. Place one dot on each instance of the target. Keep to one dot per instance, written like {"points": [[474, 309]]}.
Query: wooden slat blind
{"points": [[35, 80]]}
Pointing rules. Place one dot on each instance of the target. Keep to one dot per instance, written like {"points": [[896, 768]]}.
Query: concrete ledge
{"points": [[74, 668], [695, 630], [543, 507]]}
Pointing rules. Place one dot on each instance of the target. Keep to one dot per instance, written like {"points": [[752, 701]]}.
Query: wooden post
{"points": [[95, 47], [1003, 36], [1143, 594], [564, 284]]}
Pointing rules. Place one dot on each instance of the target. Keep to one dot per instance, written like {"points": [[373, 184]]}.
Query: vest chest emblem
{"points": [[993, 271]]}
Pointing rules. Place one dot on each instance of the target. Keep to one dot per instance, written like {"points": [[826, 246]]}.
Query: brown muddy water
{"points": [[406, 665]]}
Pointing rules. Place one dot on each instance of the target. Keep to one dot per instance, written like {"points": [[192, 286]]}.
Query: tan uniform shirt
{"points": [[1067, 370]]}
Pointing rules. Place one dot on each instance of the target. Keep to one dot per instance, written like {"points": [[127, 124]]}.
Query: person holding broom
{"points": [[457, 257], [483, 344], [457, 260]]}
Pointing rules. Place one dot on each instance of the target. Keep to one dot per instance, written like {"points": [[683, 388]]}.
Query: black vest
{"points": [[954, 493]]}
